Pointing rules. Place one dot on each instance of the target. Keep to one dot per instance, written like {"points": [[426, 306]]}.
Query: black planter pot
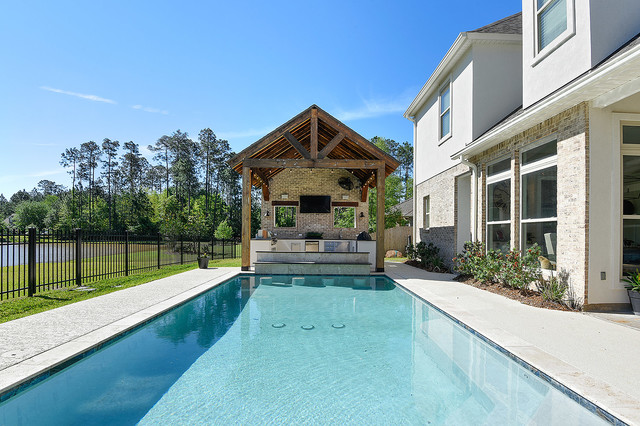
{"points": [[634, 297], [203, 262]]}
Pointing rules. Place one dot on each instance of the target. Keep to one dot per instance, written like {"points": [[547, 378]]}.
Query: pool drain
{"points": [[278, 325], [337, 325], [307, 327]]}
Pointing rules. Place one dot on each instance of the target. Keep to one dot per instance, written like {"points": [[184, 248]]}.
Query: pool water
{"points": [[297, 350]]}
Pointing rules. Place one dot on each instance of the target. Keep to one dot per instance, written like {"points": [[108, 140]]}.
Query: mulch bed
{"points": [[531, 298]]}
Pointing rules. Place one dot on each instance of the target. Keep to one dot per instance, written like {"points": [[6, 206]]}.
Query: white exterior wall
{"points": [[551, 69], [605, 201], [612, 25], [431, 155], [497, 83]]}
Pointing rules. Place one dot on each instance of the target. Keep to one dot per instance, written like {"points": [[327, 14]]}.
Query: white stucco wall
{"points": [[612, 25], [551, 69], [497, 84], [605, 202], [431, 155]]}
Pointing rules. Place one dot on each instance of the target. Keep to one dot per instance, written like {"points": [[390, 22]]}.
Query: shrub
{"points": [[224, 231], [519, 271], [470, 261], [552, 289], [427, 254]]}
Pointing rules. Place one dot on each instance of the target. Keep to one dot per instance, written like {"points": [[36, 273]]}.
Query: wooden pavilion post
{"points": [[246, 218], [380, 175]]}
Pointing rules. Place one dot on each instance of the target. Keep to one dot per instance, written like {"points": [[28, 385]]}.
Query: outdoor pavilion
{"points": [[312, 139]]}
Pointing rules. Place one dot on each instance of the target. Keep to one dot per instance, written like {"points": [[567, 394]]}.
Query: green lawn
{"points": [[25, 306]]}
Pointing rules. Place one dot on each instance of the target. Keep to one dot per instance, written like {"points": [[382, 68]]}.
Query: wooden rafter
{"points": [[297, 145], [331, 145], [314, 133], [298, 163]]}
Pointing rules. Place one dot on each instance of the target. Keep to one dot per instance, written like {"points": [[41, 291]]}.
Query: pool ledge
{"points": [[520, 331], [36, 364]]}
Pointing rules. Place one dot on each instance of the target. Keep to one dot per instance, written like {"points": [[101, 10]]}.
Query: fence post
{"points": [[223, 248], [126, 253], [158, 250], [31, 262], [79, 257], [181, 250]]}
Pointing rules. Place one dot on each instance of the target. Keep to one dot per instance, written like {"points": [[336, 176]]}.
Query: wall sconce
{"points": [[267, 213], [284, 196], [362, 214]]}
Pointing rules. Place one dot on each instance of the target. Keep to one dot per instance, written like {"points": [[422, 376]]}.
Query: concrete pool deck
{"points": [[594, 357]]}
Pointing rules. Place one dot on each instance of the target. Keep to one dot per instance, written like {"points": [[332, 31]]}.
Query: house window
{"points": [[426, 208], [285, 217], [538, 198], [445, 112], [499, 205], [630, 198], [344, 217], [551, 20]]}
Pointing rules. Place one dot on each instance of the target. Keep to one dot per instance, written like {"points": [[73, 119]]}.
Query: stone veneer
{"points": [[443, 211], [296, 182], [571, 128]]}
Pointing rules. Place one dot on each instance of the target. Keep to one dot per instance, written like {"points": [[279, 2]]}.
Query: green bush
{"points": [[519, 271], [553, 289], [428, 255]]}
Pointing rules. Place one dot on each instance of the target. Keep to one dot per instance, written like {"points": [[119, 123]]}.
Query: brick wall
{"points": [[571, 130], [296, 182], [441, 190]]}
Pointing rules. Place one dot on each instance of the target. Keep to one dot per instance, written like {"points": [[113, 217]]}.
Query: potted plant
{"points": [[203, 261], [633, 289]]}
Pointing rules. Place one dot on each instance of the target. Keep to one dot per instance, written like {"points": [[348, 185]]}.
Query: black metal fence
{"points": [[33, 261]]}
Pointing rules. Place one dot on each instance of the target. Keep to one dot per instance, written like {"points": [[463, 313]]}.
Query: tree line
{"points": [[186, 189]]}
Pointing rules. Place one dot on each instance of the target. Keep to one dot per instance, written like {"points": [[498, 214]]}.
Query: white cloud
{"points": [[79, 95], [149, 109], [372, 109]]}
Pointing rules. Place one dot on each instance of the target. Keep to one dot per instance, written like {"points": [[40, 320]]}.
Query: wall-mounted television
{"points": [[315, 204]]}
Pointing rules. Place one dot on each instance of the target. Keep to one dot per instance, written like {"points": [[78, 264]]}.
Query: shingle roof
{"points": [[405, 208], [509, 25]]}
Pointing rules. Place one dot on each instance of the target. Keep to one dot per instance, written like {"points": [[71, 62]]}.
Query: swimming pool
{"points": [[285, 349]]}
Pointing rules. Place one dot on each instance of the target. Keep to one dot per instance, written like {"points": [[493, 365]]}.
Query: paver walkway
{"points": [[595, 357]]}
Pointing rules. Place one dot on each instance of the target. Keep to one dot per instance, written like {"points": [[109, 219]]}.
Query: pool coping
{"points": [[593, 394], [32, 370]]}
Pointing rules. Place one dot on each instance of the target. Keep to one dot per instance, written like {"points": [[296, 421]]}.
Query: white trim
{"points": [[499, 177], [539, 55]]}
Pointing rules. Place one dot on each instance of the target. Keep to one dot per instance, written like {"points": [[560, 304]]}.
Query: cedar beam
{"points": [[364, 193], [298, 163], [261, 175], [297, 145], [314, 133], [331, 145], [265, 192], [380, 176], [246, 218]]}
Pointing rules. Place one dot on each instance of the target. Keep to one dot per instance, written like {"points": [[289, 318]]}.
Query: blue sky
{"points": [[136, 70]]}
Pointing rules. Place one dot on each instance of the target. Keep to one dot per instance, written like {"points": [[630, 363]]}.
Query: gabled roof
{"points": [[293, 141], [509, 25], [405, 208]]}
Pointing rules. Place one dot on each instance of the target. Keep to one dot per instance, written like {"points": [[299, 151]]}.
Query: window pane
{"points": [[499, 201], [344, 217], [285, 217], [631, 134], [630, 245], [547, 150], [499, 237], [631, 185], [539, 194], [445, 124], [427, 211], [445, 100], [499, 167], [543, 234], [552, 22]]}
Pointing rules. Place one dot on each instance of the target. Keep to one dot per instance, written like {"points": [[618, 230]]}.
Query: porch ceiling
{"points": [[294, 140]]}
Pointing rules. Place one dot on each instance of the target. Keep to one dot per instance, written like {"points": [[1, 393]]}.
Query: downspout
{"points": [[474, 175]]}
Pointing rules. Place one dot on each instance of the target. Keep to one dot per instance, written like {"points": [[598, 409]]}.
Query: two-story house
{"points": [[546, 151]]}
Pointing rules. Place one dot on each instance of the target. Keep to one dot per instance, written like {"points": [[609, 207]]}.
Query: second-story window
{"points": [[551, 20], [445, 111]]}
